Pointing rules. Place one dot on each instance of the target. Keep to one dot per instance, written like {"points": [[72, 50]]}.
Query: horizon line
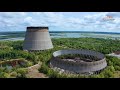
{"points": [[69, 31]]}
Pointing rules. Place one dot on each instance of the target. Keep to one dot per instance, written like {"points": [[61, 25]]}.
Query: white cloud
{"points": [[58, 19], [114, 14]]}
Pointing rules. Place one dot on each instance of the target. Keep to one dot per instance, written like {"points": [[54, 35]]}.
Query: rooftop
{"points": [[37, 27], [117, 52]]}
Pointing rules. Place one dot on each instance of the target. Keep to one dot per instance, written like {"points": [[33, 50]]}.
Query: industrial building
{"points": [[37, 38], [88, 65]]}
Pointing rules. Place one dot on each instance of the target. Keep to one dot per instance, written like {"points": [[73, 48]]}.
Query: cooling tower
{"points": [[37, 38], [79, 66]]}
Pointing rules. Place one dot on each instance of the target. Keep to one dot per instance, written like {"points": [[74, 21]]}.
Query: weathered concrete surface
{"points": [[79, 67], [37, 38]]}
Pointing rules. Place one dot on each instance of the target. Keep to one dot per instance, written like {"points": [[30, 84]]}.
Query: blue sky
{"points": [[61, 21]]}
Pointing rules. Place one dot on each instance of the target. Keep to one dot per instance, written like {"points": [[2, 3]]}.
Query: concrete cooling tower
{"points": [[37, 38]]}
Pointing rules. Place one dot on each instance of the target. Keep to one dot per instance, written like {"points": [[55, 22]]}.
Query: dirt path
{"points": [[117, 74], [34, 73]]}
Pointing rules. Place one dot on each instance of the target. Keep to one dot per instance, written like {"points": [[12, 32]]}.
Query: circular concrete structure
{"points": [[78, 66], [37, 38]]}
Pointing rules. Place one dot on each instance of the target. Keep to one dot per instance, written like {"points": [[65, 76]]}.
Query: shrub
{"points": [[13, 74], [21, 72]]}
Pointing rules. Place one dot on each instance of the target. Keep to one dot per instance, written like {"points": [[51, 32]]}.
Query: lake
{"points": [[19, 35]]}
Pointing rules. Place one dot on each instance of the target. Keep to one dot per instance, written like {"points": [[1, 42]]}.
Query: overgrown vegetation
{"points": [[87, 58], [13, 50]]}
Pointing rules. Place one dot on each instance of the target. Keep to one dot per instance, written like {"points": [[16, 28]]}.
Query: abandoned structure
{"points": [[37, 38], [91, 61]]}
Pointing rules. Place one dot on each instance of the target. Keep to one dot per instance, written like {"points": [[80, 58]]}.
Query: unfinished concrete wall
{"points": [[78, 67]]}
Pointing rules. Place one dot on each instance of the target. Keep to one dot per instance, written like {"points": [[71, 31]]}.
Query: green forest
{"points": [[10, 50]]}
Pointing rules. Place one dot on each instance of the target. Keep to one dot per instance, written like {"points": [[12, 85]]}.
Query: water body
{"points": [[20, 35]]}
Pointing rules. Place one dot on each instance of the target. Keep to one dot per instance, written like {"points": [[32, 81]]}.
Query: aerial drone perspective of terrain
{"points": [[59, 45]]}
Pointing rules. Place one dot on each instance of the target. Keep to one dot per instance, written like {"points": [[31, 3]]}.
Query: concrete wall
{"points": [[79, 67], [37, 39]]}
